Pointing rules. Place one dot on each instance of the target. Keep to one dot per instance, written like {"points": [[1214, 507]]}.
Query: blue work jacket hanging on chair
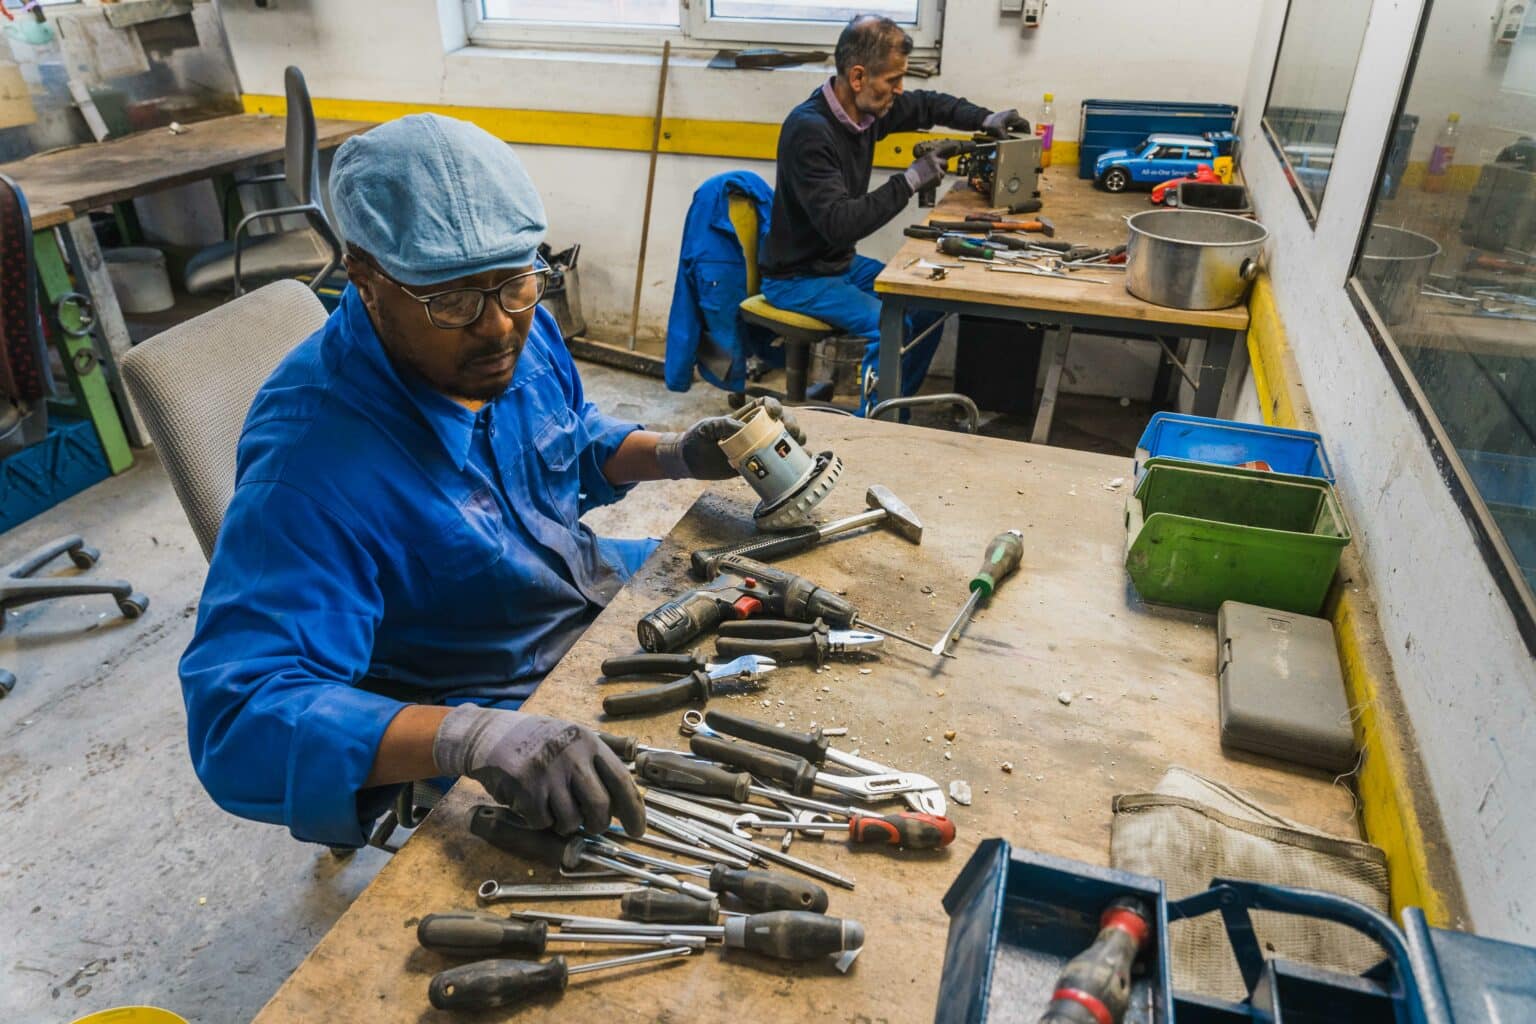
{"points": [[705, 328]]}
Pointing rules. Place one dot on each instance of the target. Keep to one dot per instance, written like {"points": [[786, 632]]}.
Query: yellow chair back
{"points": [[744, 220]]}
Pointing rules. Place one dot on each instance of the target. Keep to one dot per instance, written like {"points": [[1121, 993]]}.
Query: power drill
{"points": [[1095, 986], [743, 588]]}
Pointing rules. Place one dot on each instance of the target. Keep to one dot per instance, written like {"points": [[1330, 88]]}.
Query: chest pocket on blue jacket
{"points": [[560, 443]]}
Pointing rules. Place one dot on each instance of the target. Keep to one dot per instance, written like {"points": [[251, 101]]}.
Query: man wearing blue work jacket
{"points": [[403, 559]]}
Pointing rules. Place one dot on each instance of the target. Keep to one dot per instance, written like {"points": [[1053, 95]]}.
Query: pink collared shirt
{"points": [[830, 95]]}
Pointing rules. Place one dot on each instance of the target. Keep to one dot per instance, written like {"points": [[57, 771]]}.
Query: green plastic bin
{"points": [[1198, 535]]}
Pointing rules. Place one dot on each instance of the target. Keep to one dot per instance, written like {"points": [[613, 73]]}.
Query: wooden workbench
{"points": [[1085, 215], [1144, 697], [62, 186]]}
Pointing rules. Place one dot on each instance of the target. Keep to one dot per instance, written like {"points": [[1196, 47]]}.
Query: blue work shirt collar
{"points": [[451, 422]]}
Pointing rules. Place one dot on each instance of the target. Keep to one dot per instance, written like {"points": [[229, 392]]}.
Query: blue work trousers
{"points": [[849, 303]]}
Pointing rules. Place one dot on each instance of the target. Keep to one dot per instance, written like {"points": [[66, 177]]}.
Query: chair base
{"points": [[18, 588]]}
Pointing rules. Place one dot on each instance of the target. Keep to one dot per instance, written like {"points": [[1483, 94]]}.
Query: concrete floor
{"points": [[123, 883]]}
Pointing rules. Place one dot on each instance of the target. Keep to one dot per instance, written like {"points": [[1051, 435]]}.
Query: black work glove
{"points": [[550, 772], [1000, 124], [926, 172], [695, 453]]}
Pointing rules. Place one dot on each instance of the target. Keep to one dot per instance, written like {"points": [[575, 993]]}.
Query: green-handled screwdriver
{"points": [[1002, 559]]}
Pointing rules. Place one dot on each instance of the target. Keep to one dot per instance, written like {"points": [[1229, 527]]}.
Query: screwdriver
{"points": [[479, 935], [489, 984], [1001, 561], [783, 934], [914, 831], [653, 906], [952, 245]]}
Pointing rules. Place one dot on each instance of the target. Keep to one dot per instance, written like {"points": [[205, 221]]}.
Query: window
{"points": [[1199, 153], [1446, 272], [709, 22], [1168, 153], [1314, 71]]}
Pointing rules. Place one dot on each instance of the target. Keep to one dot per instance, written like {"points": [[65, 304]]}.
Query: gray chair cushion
{"points": [[262, 258], [195, 383]]}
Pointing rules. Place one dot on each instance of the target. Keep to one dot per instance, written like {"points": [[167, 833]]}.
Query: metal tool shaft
{"points": [[684, 849], [955, 627], [898, 636], [625, 961], [625, 937], [665, 881], [707, 931], [493, 891]]}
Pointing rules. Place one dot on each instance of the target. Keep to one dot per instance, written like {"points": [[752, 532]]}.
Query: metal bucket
{"points": [[837, 359], [1192, 259], [1393, 266]]}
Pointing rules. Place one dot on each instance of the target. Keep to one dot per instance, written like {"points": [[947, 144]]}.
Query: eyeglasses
{"points": [[459, 307]]}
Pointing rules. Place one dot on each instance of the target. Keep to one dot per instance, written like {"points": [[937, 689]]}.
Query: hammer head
{"points": [[897, 515]]}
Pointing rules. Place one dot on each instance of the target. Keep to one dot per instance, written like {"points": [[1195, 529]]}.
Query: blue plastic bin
{"points": [[1228, 443], [62, 465], [1121, 124], [1017, 916]]}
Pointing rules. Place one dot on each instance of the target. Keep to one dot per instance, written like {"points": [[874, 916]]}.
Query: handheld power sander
{"points": [[785, 476]]}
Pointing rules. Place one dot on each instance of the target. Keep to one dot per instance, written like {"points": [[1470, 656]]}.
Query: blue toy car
{"points": [[1159, 158]]}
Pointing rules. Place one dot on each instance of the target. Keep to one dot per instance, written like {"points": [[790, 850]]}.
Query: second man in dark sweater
{"points": [[823, 206]]}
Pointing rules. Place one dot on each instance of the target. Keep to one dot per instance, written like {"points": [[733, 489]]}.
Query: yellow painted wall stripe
{"points": [[739, 140], [1387, 804]]}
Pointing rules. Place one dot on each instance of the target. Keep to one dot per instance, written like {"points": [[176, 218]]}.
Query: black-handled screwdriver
{"points": [[1002, 559], [492, 984], [478, 935]]}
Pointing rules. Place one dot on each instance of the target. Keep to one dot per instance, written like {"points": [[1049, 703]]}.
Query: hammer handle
{"points": [[778, 545]]}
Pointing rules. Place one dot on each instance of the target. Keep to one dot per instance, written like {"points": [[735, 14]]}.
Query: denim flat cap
{"points": [[433, 198]]}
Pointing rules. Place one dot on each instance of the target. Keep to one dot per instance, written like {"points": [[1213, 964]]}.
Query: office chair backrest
{"points": [[744, 219], [301, 156], [195, 383]]}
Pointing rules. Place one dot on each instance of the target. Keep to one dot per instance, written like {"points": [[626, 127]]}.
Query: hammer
{"points": [[884, 506]]}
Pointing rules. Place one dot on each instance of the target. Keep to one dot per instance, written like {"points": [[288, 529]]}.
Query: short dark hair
{"points": [[871, 41]]}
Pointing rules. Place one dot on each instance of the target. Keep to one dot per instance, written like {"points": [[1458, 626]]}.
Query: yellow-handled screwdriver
{"points": [[1001, 561]]}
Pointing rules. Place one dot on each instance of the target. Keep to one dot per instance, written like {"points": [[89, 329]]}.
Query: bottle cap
{"points": [[1454, 117], [1050, 97]]}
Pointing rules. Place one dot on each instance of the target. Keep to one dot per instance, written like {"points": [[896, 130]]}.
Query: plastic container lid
{"points": [[131, 1015]]}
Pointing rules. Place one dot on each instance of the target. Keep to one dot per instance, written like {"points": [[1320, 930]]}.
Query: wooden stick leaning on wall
{"points": [[650, 189]]}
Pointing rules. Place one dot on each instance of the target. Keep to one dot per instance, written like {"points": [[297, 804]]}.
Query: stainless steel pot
{"points": [[1393, 266], [1192, 259]]}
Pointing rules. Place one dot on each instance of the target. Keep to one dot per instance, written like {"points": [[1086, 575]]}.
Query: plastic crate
{"points": [[1121, 124], [1017, 917], [1228, 443], [1198, 535], [62, 465]]}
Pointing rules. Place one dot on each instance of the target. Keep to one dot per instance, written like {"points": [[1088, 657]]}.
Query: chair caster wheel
{"points": [[7, 682], [133, 605], [736, 399], [84, 557]]}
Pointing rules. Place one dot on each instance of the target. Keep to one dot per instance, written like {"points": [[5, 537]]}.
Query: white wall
{"points": [[1086, 48], [1467, 679]]}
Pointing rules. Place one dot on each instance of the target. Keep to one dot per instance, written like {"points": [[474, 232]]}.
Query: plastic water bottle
{"points": [[1438, 174], [1045, 127]]}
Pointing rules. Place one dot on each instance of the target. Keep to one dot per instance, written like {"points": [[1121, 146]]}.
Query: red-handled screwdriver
{"points": [[909, 829]]}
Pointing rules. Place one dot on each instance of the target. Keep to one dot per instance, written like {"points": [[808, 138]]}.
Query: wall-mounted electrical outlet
{"points": [[1011, 6], [1508, 21], [1033, 12]]}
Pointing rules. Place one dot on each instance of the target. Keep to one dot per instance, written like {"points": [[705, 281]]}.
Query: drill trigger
{"points": [[746, 606]]}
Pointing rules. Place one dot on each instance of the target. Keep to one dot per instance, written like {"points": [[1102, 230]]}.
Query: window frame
{"points": [[1309, 209], [696, 28], [1486, 533]]}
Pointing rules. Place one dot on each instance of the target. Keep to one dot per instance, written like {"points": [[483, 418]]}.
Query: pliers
{"points": [[703, 680], [786, 641]]}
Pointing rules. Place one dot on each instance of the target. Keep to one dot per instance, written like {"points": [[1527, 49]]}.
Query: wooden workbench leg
{"points": [[1237, 374], [78, 351], [91, 272], [893, 316], [1060, 341], [1218, 372]]}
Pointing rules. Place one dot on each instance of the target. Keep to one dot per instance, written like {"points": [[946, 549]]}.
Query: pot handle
{"points": [[1249, 270]]}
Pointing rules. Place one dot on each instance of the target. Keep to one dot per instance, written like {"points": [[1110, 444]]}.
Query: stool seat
{"points": [[760, 311]]}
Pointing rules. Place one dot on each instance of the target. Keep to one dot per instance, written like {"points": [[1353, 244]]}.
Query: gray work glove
{"points": [[695, 453], [926, 172], [550, 772], [1000, 124]]}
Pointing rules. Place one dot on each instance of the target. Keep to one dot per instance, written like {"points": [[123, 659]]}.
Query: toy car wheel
{"points": [[1171, 198], [1116, 180]]}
